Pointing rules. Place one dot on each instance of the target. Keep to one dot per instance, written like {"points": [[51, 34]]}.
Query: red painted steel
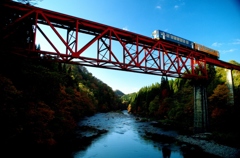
{"points": [[138, 53], [223, 64]]}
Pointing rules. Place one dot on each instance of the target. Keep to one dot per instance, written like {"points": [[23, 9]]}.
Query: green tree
{"points": [[153, 106]]}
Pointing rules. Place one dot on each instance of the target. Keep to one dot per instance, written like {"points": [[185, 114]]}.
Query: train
{"points": [[162, 35]]}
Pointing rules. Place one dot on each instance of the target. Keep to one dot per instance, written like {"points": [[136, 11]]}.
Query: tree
{"points": [[153, 106], [221, 95], [219, 109]]}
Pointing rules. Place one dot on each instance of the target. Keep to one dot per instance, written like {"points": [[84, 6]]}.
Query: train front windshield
{"points": [[155, 34]]}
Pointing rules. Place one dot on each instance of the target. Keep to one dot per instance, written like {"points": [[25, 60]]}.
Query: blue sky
{"points": [[213, 23]]}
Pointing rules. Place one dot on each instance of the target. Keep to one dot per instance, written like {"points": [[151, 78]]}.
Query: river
{"points": [[126, 138]]}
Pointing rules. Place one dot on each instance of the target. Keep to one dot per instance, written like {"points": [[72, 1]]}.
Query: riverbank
{"points": [[202, 141], [119, 123], [210, 146]]}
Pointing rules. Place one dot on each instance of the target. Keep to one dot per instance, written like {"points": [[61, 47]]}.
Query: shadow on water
{"points": [[169, 145], [166, 151], [87, 135]]}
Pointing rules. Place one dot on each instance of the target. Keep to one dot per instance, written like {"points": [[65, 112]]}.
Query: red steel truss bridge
{"points": [[74, 40]]}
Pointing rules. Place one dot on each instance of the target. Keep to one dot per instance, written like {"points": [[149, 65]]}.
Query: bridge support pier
{"points": [[200, 108], [229, 82]]}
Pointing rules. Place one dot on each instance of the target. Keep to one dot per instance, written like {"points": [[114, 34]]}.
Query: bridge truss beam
{"points": [[135, 53]]}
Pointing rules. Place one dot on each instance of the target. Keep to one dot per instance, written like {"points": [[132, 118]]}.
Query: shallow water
{"points": [[124, 139], [127, 145]]}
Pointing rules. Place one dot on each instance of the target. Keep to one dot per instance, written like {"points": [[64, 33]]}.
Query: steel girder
{"points": [[114, 48]]}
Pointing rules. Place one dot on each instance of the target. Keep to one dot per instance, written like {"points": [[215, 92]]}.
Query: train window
{"points": [[171, 36], [183, 41], [186, 42], [174, 37], [167, 35]]}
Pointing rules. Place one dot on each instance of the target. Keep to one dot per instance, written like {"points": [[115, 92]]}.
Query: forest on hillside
{"points": [[172, 103], [41, 102]]}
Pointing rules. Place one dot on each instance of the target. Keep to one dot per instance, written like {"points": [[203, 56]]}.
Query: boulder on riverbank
{"points": [[210, 146]]}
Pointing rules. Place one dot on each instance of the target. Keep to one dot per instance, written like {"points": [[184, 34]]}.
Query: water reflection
{"points": [[166, 151], [125, 140], [126, 145]]}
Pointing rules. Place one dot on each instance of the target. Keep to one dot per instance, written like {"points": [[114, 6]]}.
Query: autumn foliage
{"points": [[41, 103]]}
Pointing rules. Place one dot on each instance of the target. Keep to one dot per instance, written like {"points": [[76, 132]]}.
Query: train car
{"points": [[158, 34], [161, 35], [210, 52]]}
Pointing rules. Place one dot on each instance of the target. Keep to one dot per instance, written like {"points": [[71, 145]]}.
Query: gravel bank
{"points": [[211, 147]]}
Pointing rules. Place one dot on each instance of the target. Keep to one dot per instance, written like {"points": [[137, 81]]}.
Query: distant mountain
{"points": [[127, 97], [119, 93]]}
